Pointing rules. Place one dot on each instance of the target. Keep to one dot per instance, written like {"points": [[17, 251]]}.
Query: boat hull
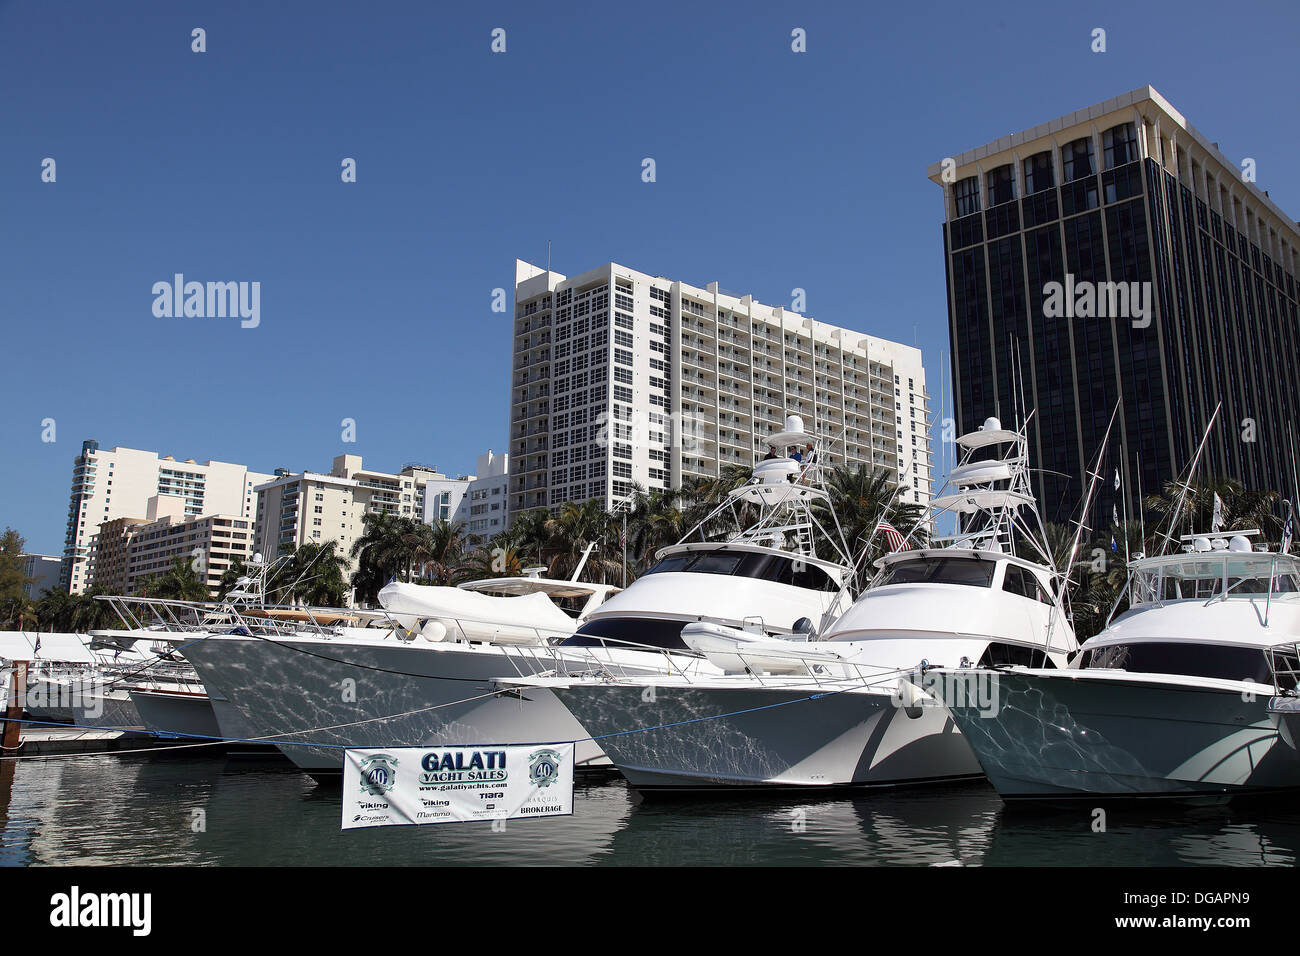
{"points": [[1057, 737], [172, 714], [771, 737], [314, 698]]}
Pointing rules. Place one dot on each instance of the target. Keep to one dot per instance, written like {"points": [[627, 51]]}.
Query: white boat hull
{"points": [[775, 737], [313, 698], [172, 714], [1058, 737]]}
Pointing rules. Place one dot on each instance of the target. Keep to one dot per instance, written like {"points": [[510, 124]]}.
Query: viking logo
{"points": [[543, 767]]}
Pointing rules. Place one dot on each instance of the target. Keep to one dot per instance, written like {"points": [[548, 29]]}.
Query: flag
{"points": [[1114, 515], [1216, 522], [37, 649], [1117, 479], [1287, 529], [894, 539], [1113, 546]]}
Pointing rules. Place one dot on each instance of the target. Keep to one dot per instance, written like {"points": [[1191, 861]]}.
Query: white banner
{"points": [[412, 786]]}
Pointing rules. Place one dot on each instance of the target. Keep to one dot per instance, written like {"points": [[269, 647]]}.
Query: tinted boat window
{"points": [[751, 564], [968, 571], [625, 631], [676, 562], [1182, 658], [1021, 581]]}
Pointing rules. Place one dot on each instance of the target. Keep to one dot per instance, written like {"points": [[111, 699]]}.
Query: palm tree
{"points": [[180, 582], [1242, 510], [861, 497], [315, 576], [572, 530]]}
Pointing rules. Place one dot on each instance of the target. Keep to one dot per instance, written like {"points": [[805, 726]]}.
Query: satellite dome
{"points": [[1200, 544], [1239, 542], [793, 423], [992, 425]]}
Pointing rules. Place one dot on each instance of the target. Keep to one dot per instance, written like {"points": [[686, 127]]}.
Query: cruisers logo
{"points": [[212, 300], [378, 774], [544, 767]]}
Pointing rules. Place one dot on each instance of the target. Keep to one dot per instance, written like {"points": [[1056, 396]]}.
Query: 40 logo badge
{"points": [[378, 773], [543, 767]]}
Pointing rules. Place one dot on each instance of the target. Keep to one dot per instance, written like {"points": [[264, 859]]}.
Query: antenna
{"points": [[548, 255], [1187, 486]]}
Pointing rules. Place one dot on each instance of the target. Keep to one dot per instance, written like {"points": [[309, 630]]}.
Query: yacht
{"points": [[837, 705], [1187, 694], [752, 563]]}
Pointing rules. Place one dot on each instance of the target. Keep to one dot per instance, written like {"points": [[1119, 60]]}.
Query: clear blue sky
{"points": [[775, 171]]}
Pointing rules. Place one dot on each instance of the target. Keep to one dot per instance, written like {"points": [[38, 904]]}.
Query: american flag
{"points": [[892, 536], [1287, 529]]}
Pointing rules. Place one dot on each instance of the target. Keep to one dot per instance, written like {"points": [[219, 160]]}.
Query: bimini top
{"points": [[530, 585], [984, 499]]}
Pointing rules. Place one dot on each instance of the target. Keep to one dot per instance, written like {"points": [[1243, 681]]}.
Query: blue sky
{"points": [[775, 170]]}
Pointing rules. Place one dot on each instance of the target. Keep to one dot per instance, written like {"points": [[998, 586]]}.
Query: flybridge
{"points": [[212, 300]]}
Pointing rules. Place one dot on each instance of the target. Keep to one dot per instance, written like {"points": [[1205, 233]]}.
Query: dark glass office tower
{"points": [[1114, 254]]}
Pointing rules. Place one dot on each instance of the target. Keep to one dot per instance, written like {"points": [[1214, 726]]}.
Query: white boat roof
{"points": [[1195, 564], [741, 544], [21, 646]]}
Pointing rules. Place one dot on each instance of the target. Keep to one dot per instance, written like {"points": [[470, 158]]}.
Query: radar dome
{"points": [[992, 425]]}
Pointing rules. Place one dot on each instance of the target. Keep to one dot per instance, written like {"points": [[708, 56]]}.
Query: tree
{"points": [[315, 576], [571, 531], [180, 582], [13, 575]]}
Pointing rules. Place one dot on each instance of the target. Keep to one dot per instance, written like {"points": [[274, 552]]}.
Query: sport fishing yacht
{"points": [[836, 706], [1186, 694], [752, 563]]}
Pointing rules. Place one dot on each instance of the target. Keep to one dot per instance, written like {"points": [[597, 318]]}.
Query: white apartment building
{"points": [[622, 377], [485, 509], [444, 498], [118, 483], [294, 509], [43, 571], [127, 551]]}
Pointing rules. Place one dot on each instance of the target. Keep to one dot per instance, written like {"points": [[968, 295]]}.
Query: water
{"points": [[140, 810]]}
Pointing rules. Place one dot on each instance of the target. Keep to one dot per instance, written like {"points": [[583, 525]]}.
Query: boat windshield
{"points": [[762, 566], [1184, 658], [971, 572], [633, 633], [1227, 575]]}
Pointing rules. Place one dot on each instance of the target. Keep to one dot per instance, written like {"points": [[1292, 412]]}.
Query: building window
{"points": [[1001, 185], [1120, 145], [1038, 173], [966, 193], [1076, 159]]}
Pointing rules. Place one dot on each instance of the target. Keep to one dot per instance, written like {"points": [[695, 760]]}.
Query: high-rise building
{"points": [[1116, 254], [118, 483], [296, 509], [622, 377]]}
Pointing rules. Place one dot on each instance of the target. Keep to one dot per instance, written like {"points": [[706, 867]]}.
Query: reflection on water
{"points": [[203, 811]]}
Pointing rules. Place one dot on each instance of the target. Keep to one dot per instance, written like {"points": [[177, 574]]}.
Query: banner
{"points": [[412, 786]]}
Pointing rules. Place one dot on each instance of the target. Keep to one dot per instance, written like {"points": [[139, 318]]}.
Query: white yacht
{"points": [[1186, 694], [835, 707], [430, 679]]}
